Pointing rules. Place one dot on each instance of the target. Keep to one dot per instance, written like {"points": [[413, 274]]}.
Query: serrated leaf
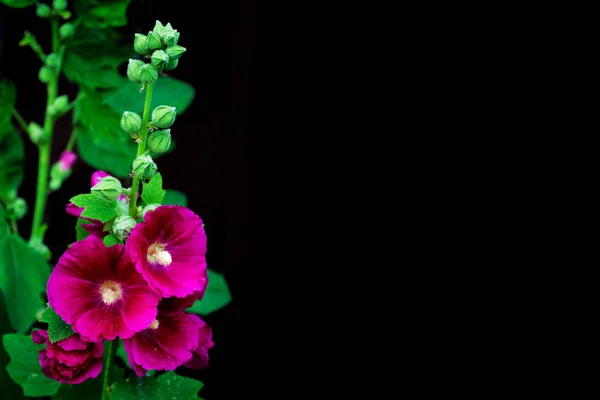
{"points": [[58, 329], [110, 240], [216, 297], [18, 3], [102, 14], [80, 232], [8, 98], [95, 207], [23, 276], [24, 367], [152, 192], [168, 386], [175, 197], [167, 91], [12, 154]]}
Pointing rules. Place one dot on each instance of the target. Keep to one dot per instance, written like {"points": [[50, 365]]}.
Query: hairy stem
{"points": [[20, 119], [110, 356], [44, 148], [141, 149]]}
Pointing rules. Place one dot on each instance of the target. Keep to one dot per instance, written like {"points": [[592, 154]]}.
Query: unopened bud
{"points": [[150, 207], [163, 116], [158, 28], [160, 59], [131, 122], [153, 42], [43, 10], [59, 105], [148, 74], [51, 60], [36, 133], [160, 141], [66, 160], [123, 226], [59, 5], [108, 188], [174, 52], [18, 208], [171, 65], [133, 69], [139, 44], [169, 36], [144, 167], [65, 14], [45, 74], [66, 30]]}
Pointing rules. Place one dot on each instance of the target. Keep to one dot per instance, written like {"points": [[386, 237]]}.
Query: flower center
{"points": [[154, 324], [111, 292], [158, 254]]}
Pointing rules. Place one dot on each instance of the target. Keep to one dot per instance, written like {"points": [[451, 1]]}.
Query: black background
{"points": [[209, 164]]}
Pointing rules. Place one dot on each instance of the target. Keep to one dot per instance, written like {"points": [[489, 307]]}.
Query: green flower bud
{"points": [[66, 30], [160, 59], [153, 42], [150, 207], [40, 248], [144, 167], [123, 226], [65, 14], [163, 116], [171, 65], [139, 44], [133, 69], [18, 208], [59, 5], [36, 133], [59, 106], [175, 51], [109, 188], [148, 74], [51, 60], [160, 141], [45, 74], [43, 10], [158, 28], [169, 36], [131, 122]]}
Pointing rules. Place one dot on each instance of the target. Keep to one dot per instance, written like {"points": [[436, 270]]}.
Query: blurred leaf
{"points": [[79, 231], [90, 389], [122, 354], [23, 276], [8, 98], [174, 197], [152, 192], [102, 14], [168, 386], [18, 3], [216, 297], [167, 91], [57, 328], [12, 153], [95, 207], [24, 367], [10, 390], [111, 240]]}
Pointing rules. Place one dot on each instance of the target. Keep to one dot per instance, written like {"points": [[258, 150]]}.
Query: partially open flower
{"points": [[71, 360]]}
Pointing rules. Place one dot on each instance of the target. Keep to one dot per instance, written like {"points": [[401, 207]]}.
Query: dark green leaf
{"points": [[167, 91], [216, 297], [174, 197], [95, 207], [90, 389], [110, 240], [18, 3], [80, 232], [122, 354], [116, 161], [10, 390], [8, 97], [95, 65], [168, 386], [57, 328], [23, 276], [102, 14], [153, 192], [11, 160], [24, 367]]}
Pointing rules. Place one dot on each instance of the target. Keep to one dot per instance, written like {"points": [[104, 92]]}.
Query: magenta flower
{"points": [[169, 249], [71, 360], [98, 291], [66, 160], [200, 358], [168, 342]]}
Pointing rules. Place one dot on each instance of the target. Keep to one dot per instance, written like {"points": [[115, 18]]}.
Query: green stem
{"points": [[110, 355], [72, 140], [44, 152], [20, 119], [141, 149], [13, 225]]}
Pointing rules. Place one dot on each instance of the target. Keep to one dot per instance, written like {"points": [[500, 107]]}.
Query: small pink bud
{"points": [[67, 159]]}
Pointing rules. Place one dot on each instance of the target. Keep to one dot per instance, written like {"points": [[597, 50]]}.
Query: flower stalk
{"points": [[110, 356]]}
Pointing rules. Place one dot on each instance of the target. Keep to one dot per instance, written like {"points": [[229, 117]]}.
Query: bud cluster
{"points": [[59, 8]]}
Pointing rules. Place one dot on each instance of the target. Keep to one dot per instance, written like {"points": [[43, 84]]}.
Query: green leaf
{"points": [[102, 14], [24, 367], [90, 389], [18, 3], [110, 240], [153, 193], [122, 354], [168, 386], [57, 328], [174, 197], [79, 231], [23, 276], [12, 154], [167, 91], [10, 390], [8, 97], [95, 207], [216, 297]]}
